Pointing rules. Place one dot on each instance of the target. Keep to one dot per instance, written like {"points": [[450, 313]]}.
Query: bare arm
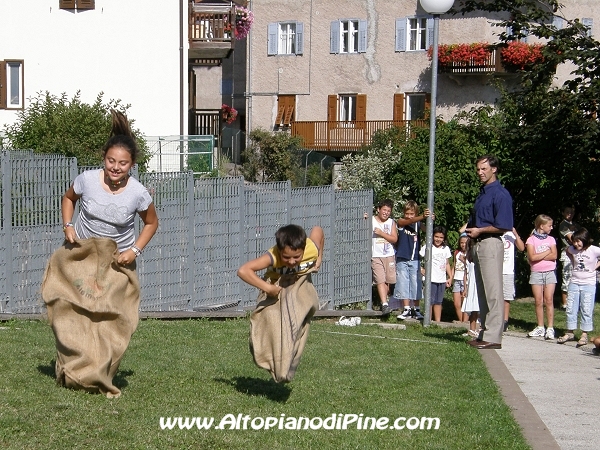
{"points": [[248, 273], [476, 232], [449, 272], [68, 209], [518, 241], [552, 255], [318, 237], [533, 256], [391, 237]]}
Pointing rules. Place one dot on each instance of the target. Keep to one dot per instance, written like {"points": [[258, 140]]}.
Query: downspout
{"points": [[181, 69], [249, 83]]}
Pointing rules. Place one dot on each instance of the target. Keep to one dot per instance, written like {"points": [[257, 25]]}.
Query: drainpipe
{"points": [[181, 71]]}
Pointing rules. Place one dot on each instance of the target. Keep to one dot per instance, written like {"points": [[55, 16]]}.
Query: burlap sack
{"points": [[279, 327], [93, 310]]}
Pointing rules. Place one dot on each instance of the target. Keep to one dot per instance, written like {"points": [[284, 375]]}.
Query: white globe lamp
{"points": [[437, 6]]}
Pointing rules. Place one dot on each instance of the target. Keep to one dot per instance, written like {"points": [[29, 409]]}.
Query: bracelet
{"points": [[136, 250], [67, 225]]}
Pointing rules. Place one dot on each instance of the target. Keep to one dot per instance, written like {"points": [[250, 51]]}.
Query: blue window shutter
{"points": [[299, 38], [272, 39], [509, 31], [429, 38], [362, 36], [525, 38], [558, 22], [401, 34], [334, 37], [588, 22]]}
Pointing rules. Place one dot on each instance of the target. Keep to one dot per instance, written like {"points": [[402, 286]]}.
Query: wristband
{"points": [[67, 225], [136, 250]]}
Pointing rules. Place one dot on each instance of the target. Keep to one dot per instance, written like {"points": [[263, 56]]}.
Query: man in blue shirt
{"points": [[492, 216]]}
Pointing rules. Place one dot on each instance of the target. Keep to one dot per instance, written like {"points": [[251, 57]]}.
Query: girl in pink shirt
{"points": [[541, 254]]}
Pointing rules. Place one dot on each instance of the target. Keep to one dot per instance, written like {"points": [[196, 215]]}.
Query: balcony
{"points": [[339, 138], [210, 34], [492, 64]]}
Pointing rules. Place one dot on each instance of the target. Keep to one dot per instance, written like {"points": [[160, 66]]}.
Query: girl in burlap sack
{"points": [[90, 286], [279, 325]]}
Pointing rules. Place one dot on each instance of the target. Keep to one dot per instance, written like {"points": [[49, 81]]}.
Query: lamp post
{"points": [[435, 7]]}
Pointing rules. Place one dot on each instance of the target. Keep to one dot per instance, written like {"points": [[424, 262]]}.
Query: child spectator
{"points": [[582, 288], [409, 286], [510, 239], [470, 306], [280, 323], [441, 271], [541, 253], [458, 286], [383, 261], [566, 229]]}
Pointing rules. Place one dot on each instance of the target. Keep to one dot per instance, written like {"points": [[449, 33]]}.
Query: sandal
{"points": [[582, 341], [566, 338]]}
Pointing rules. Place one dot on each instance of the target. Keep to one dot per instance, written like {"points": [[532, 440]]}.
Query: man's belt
{"points": [[483, 236]]}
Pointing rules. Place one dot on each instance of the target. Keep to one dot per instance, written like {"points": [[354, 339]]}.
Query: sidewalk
{"points": [[553, 390]]}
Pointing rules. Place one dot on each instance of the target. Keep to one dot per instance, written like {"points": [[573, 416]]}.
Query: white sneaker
{"points": [[549, 333], [538, 332], [348, 321], [406, 314]]}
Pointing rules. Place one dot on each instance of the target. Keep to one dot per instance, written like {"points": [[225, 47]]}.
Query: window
{"points": [[416, 105], [348, 36], [589, 23], [76, 4], [347, 108], [11, 84], [414, 33], [286, 106], [285, 38]]}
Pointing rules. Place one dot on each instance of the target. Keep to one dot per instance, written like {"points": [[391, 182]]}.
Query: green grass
{"points": [[204, 368]]}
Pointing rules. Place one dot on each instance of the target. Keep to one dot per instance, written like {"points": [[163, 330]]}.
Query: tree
{"points": [[272, 157], [552, 132], [52, 124]]}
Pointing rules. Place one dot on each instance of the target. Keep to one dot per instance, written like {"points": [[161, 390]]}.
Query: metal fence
{"points": [[208, 228]]}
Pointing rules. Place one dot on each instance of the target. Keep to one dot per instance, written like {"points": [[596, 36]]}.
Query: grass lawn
{"points": [[201, 368]]}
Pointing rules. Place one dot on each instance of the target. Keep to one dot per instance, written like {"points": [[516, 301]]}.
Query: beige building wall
{"points": [[379, 73]]}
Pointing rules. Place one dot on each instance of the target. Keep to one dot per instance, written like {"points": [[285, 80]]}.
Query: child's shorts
{"points": [[508, 285], [542, 278], [384, 269], [458, 286], [437, 293]]}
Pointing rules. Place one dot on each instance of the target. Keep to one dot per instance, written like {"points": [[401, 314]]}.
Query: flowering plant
{"points": [[243, 22], [519, 55], [462, 54], [229, 113]]}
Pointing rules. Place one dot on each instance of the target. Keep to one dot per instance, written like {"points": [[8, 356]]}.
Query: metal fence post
{"points": [[7, 225], [191, 236]]}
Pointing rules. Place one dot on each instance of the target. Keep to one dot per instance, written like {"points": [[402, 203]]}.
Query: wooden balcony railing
{"points": [[343, 137], [493, 64], [210, 32]]}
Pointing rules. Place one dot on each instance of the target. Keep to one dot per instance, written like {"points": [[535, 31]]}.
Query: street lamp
{"points": [[435, 7]]}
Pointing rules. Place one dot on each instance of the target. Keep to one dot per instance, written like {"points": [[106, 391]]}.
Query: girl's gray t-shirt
{"points": [[102, 214]]}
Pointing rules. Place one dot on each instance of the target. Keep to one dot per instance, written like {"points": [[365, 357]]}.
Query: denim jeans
{"points": [[408, 280], [580, 298]]}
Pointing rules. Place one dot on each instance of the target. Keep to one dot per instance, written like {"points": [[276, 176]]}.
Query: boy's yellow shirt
{"points": [[277, 268]]}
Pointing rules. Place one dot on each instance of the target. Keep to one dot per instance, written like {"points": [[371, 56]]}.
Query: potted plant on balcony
{"points": [[228, 113], [462, 55], [519, 55], [243, 22]]}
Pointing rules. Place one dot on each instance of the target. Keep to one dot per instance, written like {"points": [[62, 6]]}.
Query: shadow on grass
{"points": [[119, 380], [451, 335], [259, 387]]}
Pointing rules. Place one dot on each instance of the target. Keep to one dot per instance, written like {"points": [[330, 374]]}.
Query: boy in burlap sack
{"points": [[279, 325]]}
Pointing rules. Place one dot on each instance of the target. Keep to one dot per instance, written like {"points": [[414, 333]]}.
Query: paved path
{"points": [[553, 390]]}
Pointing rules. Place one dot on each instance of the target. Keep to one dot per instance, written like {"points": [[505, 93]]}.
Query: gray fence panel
{"points": [[352, 251], [165, 269], [208, 228], [267, 210], [218, 242], [314, 206]]}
